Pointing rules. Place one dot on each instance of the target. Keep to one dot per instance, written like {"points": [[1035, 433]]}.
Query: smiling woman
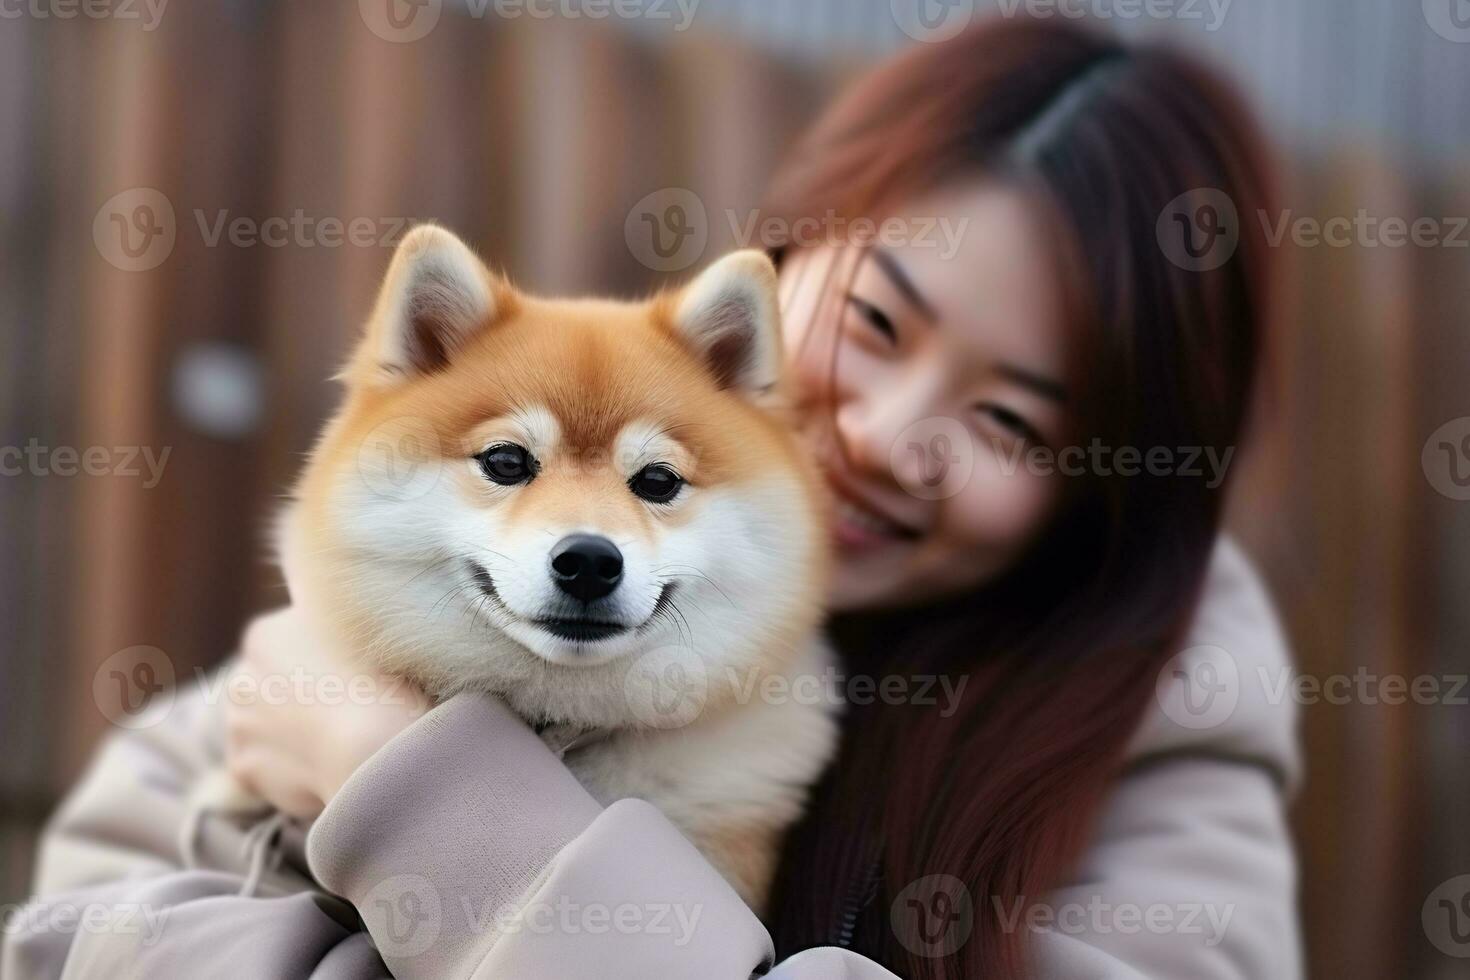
{"points": [[885, 341], [1059, 324]]}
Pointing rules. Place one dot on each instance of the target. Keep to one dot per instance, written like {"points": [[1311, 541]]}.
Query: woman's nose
{"points": [[872, 421]]}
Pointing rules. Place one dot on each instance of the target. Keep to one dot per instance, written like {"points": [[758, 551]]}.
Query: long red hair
{"points": [[1062, 655]]}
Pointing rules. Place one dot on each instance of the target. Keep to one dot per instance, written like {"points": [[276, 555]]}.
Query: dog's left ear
{"points": [[436, 295], [730, 316]]}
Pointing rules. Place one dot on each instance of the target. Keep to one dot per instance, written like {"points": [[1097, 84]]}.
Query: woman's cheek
{"points": [[830, 371], [1004, 504]]}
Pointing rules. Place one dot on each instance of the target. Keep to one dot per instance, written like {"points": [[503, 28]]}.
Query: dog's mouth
{"points": [[574, 629], [581, 630]]}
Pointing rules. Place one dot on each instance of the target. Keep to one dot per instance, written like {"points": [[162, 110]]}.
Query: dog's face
{"points": [[527, 495]]}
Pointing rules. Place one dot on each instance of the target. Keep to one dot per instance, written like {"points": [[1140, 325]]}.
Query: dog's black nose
{"points": [[586, 566]]}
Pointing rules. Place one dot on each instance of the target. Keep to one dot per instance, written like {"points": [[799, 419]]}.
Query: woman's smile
{"points": [[860, 525]]}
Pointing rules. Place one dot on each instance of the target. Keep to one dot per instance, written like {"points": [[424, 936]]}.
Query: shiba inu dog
{"points": [[600, 517]]}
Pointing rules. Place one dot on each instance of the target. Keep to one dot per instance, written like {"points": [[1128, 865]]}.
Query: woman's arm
{"points": [[1190, 874], [114, 898], [470, 851]]}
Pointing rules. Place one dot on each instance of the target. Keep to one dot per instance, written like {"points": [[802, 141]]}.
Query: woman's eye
{"points": [[508, 464], [657, 484], [875, 318], [1010, 421]]}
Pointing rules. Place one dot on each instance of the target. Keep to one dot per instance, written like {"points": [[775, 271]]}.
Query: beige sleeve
{"points": [[123, 818], [113, 899], [1191, 874]]}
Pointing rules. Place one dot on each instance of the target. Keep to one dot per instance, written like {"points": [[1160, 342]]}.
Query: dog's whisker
{"points": [[429, 568], [448, 597], [694, 573], [491, 551], [680, 621]]}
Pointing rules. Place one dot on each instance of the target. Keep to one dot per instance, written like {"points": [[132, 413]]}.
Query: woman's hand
{"points": [[301, 717]]}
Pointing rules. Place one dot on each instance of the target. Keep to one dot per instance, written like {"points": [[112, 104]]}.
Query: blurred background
{"points": [[197, 200]]}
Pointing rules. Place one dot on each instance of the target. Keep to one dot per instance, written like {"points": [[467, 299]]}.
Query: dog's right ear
{"points": [[436, 295], [730, 317]]}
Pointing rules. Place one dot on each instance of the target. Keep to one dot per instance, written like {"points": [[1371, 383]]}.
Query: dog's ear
{"points": [[436, 295], [730, 316]]}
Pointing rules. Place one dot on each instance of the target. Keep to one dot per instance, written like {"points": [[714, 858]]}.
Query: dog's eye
{"points": [[508, 464], [657, 483]]}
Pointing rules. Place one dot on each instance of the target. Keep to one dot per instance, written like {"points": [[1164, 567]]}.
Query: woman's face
{"points": [[923, 378]]}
